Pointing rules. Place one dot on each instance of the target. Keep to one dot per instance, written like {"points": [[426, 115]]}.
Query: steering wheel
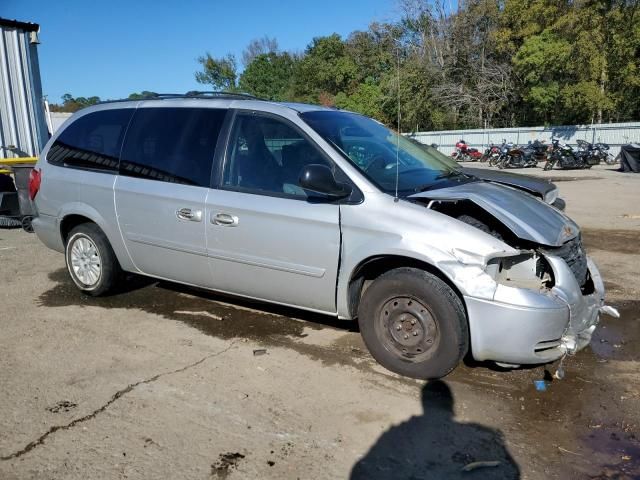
{"points": [[378, 163]]}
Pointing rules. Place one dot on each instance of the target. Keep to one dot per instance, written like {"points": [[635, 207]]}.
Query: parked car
{"points": [[323, 210]]}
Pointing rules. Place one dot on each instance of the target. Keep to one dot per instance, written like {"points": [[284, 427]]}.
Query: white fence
{"points": [[614, 134]]}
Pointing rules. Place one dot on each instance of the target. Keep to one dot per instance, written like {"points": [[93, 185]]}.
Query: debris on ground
{"points": [[62, 406], [259, 351], [226, 461], [484, 464], [540, 385]]}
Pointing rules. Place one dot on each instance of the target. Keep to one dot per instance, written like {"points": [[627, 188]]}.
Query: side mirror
{"points": [[319, 179]]}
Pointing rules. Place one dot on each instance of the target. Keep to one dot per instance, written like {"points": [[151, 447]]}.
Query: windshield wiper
{"points": [[450, 174], [442, 176]]}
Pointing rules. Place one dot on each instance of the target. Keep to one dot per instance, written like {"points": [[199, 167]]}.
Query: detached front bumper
{"points": [[522, 326]]}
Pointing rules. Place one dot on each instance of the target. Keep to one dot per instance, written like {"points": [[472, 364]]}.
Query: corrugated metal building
{"points": [[23, 128]]}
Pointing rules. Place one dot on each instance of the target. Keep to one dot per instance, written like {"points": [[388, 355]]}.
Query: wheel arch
{"points": [[373, 266], [77, 213]]}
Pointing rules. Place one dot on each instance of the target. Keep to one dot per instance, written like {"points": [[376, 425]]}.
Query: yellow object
{"points": [[13, 161]]}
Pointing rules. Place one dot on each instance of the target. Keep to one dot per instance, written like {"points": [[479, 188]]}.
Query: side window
{"points": [[174, 145], [93, 141], [266, 155]]}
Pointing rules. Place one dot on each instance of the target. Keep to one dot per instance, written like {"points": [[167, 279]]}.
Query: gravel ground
{"points": [[163, 381]]}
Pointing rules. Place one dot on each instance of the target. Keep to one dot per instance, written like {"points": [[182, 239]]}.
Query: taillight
{"points": [[35, 177]]}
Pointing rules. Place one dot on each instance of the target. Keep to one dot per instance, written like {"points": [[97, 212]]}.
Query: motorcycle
{"points": [[491, 152], [503, 151], [598, 152], [464, 153], [524, 157], [566, 157]]}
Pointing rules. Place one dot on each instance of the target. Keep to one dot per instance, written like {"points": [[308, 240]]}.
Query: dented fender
{"points": [[401, 228]]}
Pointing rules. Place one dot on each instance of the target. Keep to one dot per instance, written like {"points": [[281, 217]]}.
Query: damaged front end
{"points": [[537, 304]]}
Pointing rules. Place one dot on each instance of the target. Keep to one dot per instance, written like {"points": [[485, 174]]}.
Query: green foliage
{"points": [[268, 76], [71, 104], [142, 95], [220, 73], [366, 99], [486, 63], [325, 68]]}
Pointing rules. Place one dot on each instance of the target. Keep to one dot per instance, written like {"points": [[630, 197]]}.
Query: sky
{"points": [[111, 48]]}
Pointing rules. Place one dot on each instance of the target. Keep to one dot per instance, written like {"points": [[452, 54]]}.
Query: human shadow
{"points": [[434, 446]]}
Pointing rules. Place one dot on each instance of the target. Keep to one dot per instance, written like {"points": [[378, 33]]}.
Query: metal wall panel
{"points": [[23, 130], [615, 134]]}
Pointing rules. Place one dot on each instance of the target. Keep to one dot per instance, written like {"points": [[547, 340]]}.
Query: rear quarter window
{"points": [[175, 145], [93, 141]]}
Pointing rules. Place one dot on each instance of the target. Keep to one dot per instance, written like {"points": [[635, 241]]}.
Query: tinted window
{"points": [[93, 141], [266, 155], [172, 144]]}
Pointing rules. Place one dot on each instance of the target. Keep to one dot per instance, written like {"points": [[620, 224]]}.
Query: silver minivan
{"points": [[323, 210]]}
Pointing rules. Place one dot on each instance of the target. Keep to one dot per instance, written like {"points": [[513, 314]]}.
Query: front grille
{"points": [[573, 253]]}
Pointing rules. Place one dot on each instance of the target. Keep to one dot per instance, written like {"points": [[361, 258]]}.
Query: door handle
{"points": [[224, 219], [188, 214]]}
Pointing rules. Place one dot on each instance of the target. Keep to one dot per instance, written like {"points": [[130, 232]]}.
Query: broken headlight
{"points": [[527, 270]]}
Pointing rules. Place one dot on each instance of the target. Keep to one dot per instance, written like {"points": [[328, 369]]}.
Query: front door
{"points": [[264, 238]]}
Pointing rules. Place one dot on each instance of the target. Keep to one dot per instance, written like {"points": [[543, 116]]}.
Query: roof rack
{"points": [[191, 94]]}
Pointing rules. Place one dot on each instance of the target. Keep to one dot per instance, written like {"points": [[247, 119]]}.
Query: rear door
{"points": [[265, 239], [164, 176]]}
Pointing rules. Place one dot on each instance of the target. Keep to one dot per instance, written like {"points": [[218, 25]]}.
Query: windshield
{"points": [[374, 148]]}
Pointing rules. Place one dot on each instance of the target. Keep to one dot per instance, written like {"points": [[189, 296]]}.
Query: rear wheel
{"points": [[413, 323], [92, 265]]}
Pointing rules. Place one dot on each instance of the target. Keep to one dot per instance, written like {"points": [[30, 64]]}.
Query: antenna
{"points": [[398, 132]]}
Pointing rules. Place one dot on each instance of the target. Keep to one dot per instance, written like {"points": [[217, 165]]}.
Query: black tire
{"points": [[417, 301], [110, 271], [549, 165]]}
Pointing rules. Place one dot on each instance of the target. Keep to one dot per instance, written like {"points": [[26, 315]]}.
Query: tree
{"points": [[365, 99], [142, 95], [325, 68], [220, 73], [486, 63], [71, 104], [259, 46], [268, 76]]}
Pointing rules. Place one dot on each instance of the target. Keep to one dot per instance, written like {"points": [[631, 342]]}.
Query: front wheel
{"points": [[413, 323], [91, 262], [549, 165]]}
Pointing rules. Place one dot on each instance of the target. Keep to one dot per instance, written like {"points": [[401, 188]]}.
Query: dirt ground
{"points": [[164, 381]]}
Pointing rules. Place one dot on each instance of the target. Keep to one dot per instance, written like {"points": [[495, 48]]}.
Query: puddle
{"points": [[225, 317], [617, 443], [619, 338], [621, 241]]}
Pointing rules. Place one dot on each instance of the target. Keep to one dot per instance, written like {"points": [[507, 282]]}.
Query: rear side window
{"points": [[174, 145], [93, 141]]}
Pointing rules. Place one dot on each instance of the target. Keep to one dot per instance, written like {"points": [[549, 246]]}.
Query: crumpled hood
{"points": [[526, 216], [534, 185]]}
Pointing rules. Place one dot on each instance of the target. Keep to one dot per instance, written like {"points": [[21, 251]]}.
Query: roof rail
{"points": [[191, 94], [224, 94]]}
